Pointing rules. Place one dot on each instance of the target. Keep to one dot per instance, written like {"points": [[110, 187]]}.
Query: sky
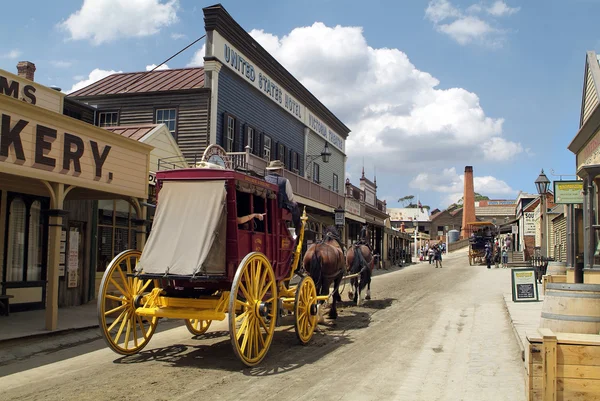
{"points": [[427, 87]]}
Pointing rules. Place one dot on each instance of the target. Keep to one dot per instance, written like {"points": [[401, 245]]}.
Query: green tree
{"points": [[406, 199]]}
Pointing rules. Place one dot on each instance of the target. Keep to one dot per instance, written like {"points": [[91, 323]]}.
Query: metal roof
{"points": [[136, 132], [145, 82], [495, 210]]}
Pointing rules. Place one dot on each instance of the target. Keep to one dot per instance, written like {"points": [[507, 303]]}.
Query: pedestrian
{"points": [[431, 254], [504, 258], [438, 256], [497, 257], [488, 256]]}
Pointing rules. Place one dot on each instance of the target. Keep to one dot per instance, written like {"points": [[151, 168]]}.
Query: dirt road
{"points": [[428, 334]]}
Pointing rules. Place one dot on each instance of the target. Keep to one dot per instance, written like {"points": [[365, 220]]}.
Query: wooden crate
{"points": [[558, 278], [563, 367]]}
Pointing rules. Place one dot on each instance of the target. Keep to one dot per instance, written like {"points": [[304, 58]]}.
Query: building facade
{"points": [[52, 167]]}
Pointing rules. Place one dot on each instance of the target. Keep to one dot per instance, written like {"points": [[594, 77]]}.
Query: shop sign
{"points": [[353, 206], [515, 229], [590, 154], [370, 198], [498, 203], [73, 260], [50, 148], [239, 63], [27, 91], [524, 286], [529, 223], [568, 192]]}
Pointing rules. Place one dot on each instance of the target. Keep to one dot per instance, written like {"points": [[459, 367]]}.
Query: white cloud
{"points": [[103, 21], [13, 54], [439, 10], [198, 58], [500, 149], [78, 77], [466, 27], [450, 183], [500, 8], [177, 36], [153, 66], [61, 63], [400, 119], [94, 76]]}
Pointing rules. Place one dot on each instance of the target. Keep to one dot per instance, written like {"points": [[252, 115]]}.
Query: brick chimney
{"points": [[26, 69], [468, 202]]}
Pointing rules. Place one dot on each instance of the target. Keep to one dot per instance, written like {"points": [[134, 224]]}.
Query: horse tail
{"points": [[315, 269]]}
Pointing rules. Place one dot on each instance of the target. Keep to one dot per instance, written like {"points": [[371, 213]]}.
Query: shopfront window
{"points": [[25, 240], [116, 231]]}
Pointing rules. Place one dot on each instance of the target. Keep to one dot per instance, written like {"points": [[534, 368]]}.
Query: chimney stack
{"points": [[468, 202], [26, 69]]}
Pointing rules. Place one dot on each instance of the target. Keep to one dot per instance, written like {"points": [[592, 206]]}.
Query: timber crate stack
{"points": [[563, 366]]}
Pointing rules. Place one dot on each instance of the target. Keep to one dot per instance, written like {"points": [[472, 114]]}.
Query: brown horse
{"points": [[363, 265], [324, 262]]}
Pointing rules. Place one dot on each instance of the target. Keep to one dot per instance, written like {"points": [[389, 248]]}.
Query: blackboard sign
{"points": [[524, 285]]}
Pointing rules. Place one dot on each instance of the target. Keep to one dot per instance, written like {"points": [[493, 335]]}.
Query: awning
{"points": [[355, 217]]}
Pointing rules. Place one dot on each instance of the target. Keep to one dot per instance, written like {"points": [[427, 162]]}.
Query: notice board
{"points": [[524, 285]]}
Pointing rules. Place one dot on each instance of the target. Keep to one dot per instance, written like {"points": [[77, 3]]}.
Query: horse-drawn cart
{"points": [[199, 265], [480, 233]]}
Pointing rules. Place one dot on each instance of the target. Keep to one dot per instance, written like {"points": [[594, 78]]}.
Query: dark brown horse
{"points": [[359, 259], [324, 262]]}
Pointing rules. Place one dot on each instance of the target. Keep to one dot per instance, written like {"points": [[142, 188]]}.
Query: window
{"points": [[25, 242], [440, 230], [229, 140], [116, 231], [335, 182], [167, 117], [295, 162], [316, 170], [281, 152], [108, 119], [251, 139], [266, 148]]}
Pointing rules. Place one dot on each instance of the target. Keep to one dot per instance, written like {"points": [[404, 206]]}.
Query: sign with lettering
{"points": [[236, 61], [352, 206], [590, 154], [524, 285], [498, 203], [73, 260], [43, 145], [28, 91], [568, 192], [529, 223]]}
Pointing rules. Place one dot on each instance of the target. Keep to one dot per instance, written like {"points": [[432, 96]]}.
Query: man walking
{"points": [[488, 255]]}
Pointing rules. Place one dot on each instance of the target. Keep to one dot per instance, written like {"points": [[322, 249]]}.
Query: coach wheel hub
{"points": [[262, 309], [137, 301], [313, 310]]}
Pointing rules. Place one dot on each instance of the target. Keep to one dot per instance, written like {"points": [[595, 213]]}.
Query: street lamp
{"points": [[542, 183], [324, 155]]}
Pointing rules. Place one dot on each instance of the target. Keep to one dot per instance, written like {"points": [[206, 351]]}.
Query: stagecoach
{"points": [[480, 233], [200, 265]]}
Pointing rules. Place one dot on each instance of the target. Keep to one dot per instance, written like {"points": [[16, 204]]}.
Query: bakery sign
{"points": [[44, 145]]}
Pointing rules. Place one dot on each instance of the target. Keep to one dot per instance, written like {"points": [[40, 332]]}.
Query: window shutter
{"points": [[244, 137], [261, 144], [224, 131], [286, 158]]}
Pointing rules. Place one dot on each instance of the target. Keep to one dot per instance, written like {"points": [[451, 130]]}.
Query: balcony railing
{"points": [[252, 164]]}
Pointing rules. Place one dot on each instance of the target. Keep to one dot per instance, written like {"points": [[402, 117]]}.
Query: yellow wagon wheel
{"points": [[197, 326], [119, 296], [252, 308], [305, 310]]}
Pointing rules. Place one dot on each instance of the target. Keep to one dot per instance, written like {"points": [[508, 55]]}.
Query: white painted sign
{"points": [[353, 206], [244, 67], [529, 223]]}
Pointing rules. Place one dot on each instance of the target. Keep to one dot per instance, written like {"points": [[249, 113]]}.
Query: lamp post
{"points": [[324, 155], [340, 216], [542, 183], [446, 229], [416, 223]]}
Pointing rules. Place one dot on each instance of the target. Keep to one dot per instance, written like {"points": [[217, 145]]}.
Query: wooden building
{"points": [[48, 162]]}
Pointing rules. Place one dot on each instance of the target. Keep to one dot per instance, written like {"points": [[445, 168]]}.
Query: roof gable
{"points": [[591, 87]]}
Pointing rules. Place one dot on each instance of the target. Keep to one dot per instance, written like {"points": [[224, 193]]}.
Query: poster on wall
{"points": [[61, 270], [73, 258], [524, 285], [529, 223]]}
